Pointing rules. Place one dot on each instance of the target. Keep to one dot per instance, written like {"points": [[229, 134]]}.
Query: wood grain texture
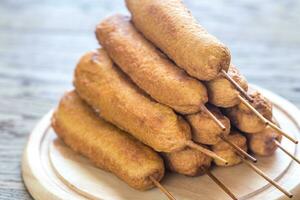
{"points": [[41, 41]]}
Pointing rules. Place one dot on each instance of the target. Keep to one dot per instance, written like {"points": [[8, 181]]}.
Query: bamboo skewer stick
{"points": [[246, 103], [207, 152], [280, 131], [262, 174], [286, 152], [237, 86], [162, 188], [237, 148], [219, 183], [214, 118], [266, 121]]}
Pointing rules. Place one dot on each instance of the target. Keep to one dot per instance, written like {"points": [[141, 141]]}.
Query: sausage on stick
{"points": [[103, 86], [151, 70], [106, 146], [172, 28], [189, 162], [222, 148], [263, 143], [245, 119], [204, 129], [254, 117], [266, 142], [222, 93]]}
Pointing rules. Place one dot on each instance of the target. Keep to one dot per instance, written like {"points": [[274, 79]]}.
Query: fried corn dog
{"points": [[148, 67], [172, 28], [222, 93], [223, 149], [106, 146], [245, 120], [189, 162], [204, 129], [102, 85], [263, 143]]}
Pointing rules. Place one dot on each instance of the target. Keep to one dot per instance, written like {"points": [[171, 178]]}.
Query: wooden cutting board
{"points": [[53, 171]]}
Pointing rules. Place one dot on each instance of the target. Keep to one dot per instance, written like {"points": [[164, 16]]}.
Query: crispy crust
{"points": [[245, 120], [224, 150], [119, 101], [204, 129], [222, 93], [188, 162], [148, 67], [172, 28], [262, 143], [105, 145]]}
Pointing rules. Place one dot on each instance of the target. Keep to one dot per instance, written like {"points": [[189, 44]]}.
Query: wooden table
{"points": [[41, 41]]}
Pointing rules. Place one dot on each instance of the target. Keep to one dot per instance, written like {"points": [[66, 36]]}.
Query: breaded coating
{"points": [[224, 150], [189, 162], [109, 91], [222, 93], [172, 28], [245, 120], [148, 67], [204, 129], [263, 143], [106, 146]]}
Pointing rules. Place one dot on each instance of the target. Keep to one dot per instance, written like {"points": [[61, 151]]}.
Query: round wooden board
{"points": [[52, 171]]}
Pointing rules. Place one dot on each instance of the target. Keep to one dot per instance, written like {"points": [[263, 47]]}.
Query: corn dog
{"points": [[188, 162], [245, 120], [204, 129], [222, 93], [148, 67], [120, 102], [171, 27], [225, 150], [263, 143], [106, 146]]}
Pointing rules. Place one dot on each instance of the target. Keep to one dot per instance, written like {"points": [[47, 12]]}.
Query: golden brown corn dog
{"points": [[103, 86], [172, 28], [106, 146], [189, 162], [222, 93], [223, 149], [148, 67], [245, 120], [263, 143], [204, 129]]}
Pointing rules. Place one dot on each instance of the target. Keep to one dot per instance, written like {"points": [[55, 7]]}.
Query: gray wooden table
{"points": [[41, 41]]}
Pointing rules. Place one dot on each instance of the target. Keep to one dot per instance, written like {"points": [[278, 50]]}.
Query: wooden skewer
{"points": [[246, 103], [262, 174], [207, 152], [164, 190], [280, 131], [285, 151], [267, 122], [219, 183], [214, 118], [237, 86], [237, 148]]}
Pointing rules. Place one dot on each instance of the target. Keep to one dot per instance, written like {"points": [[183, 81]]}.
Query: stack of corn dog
{"points": [[161, 93]]}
